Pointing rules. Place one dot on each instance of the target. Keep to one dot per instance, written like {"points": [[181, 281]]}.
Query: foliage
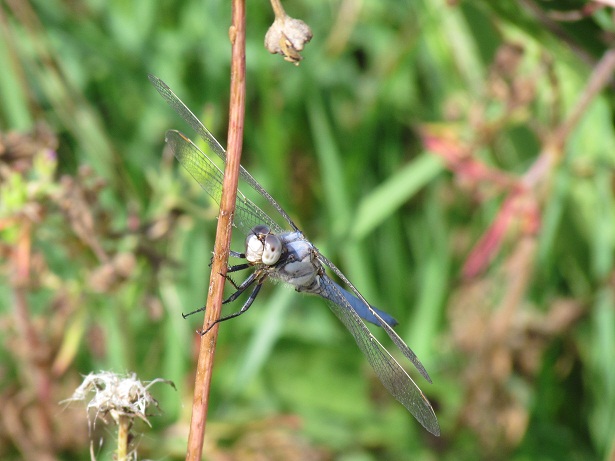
{"points": [[441, 152]]}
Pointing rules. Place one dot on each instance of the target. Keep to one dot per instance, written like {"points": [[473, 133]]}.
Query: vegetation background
{"points": [[451, 157]]}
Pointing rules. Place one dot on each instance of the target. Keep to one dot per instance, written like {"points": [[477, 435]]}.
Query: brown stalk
{"points": [[237, 36], [278, 9]]}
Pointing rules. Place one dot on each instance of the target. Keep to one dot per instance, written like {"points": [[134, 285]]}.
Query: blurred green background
{"points": [[401, 146]]}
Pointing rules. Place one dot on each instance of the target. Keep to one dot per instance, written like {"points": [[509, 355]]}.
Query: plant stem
{"points": [[223, 234], [278, 9], [123, 430]]}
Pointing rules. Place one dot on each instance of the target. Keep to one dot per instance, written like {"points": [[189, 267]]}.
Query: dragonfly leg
{"points": [[243, 309], [200, 309], [241, 288], [230, 280], [238, 267], [232, 254]]}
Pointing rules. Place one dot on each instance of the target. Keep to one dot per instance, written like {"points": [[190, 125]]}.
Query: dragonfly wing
{"points": [[389, 371], [182, 110], [402, 346], [209, 176], [364, 312]]}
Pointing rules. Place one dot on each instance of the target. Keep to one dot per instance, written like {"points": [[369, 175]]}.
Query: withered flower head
{"points": [[287, 36], [116, 396]]}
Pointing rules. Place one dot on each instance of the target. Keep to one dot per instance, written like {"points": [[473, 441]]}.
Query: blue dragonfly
{"points": [[281, 252]]}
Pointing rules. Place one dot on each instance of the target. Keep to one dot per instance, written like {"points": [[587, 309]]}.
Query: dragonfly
{"points": [[277, 249]]}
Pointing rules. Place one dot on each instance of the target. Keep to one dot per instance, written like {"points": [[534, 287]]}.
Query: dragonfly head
{"points": [[263, 247]]}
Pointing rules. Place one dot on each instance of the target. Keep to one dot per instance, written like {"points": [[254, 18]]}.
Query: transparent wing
{"points": [[209, 176], [402, 346], [214, 146], [391, 373]]}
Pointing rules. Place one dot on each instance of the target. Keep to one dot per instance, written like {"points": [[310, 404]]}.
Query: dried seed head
{"points": [[287, 36], [116, 396]]}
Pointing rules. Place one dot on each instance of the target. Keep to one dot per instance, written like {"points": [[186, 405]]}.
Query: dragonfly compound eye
{"points": [[272, 251], [254, 248], [260, 230]]}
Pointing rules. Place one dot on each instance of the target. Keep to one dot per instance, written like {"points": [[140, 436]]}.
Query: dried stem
{"points": [[600, 78], [278, 9], [123, 431], [223, 234], [553, 149]]}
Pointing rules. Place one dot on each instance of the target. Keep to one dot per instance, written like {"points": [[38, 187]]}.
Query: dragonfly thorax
{"points": [[300, 267]]}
